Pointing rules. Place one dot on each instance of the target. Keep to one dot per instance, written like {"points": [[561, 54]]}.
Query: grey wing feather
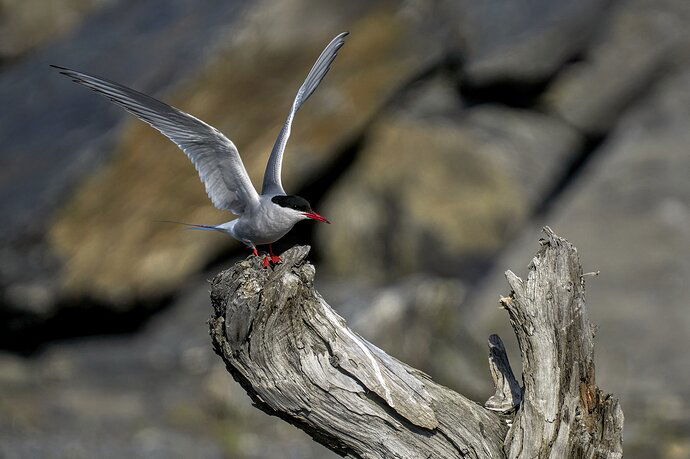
{"points": [[272, 182], [215, 157]]}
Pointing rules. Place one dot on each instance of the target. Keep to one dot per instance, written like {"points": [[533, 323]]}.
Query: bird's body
{"points": [[263, 224], [263, 218]]}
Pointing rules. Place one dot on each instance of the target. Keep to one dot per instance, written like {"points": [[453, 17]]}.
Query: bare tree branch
{"points": [[298, 360], [563, 412], [508, 391]]}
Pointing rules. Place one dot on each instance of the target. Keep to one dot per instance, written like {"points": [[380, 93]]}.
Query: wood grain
{"points": [[298, 360]]}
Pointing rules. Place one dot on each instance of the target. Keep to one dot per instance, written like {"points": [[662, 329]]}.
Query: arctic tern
{"points": [[263, 218]]}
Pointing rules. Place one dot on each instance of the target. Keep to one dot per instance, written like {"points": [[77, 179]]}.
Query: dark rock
{"points": [[524, 41], [640, 39]]}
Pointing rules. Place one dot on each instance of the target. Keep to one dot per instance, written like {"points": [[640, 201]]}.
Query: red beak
{"points": [[315, 216]]}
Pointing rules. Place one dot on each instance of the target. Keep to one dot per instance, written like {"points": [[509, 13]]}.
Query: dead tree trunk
{"points": [[298, 360]]}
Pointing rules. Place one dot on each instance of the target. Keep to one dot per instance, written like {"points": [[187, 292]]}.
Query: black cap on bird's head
{"points": [[299, 204]]}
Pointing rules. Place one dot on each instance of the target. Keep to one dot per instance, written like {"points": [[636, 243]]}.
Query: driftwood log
{"points": [[298, 360]]}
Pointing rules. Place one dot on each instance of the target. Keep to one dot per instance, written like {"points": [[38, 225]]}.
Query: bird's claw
{"points": [[275, 259]]}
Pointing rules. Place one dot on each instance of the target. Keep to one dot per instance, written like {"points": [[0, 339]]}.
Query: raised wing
{"points": [[272, 183], [215, 157]]}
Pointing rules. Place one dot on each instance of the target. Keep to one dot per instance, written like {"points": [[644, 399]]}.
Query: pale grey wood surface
{"points": [[508, 393], [297, 359], [563, 412]]}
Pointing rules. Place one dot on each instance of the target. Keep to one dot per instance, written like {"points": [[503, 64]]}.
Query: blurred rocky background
{"points": [[446, 134]]}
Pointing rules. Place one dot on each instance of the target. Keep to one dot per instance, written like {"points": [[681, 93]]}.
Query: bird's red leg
{"points": [[274, 258], [264, 261]]}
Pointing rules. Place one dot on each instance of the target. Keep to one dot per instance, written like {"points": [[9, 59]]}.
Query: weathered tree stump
{"points": [[298, 360]]}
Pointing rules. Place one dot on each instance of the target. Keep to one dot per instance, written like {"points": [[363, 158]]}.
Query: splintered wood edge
{"points": [[555, 417]]}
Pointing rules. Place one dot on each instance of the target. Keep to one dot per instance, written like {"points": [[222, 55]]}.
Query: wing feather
{"points": [[272, 182], [215, 157]]}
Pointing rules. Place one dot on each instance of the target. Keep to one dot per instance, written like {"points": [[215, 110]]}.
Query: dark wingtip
{"points": [[64, 71]]}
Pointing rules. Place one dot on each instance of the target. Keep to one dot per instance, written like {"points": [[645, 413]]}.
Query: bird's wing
{"points": [[272, 183], [215, 157]]}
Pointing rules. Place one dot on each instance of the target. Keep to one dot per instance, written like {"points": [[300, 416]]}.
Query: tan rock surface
{"points": [[429, 194], [112, 247]]}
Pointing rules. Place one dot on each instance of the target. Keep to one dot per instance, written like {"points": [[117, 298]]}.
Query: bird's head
{"points": [[298, 207]]}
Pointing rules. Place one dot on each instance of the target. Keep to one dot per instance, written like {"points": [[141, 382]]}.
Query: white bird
{"points": [[263, 218]]}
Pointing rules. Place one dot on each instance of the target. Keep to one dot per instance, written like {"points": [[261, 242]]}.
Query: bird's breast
{"points": [[264, 226]]}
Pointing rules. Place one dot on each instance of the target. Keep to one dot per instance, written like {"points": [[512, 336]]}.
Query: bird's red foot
{"points": [[255, 252], [275, 259], [265, 261]]}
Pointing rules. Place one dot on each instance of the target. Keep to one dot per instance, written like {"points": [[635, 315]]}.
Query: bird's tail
{"points": [[192, 226]]}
